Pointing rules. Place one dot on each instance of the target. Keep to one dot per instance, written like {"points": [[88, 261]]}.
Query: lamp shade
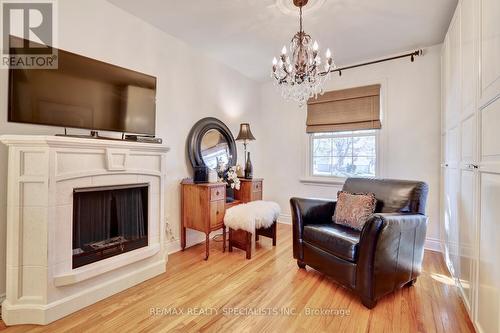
{"points": [[245, 133]]}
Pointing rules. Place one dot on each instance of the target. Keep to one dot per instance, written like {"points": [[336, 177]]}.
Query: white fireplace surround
{"points": [[42, 286]]}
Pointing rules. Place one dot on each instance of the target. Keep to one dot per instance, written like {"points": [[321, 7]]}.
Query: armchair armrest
{"points": [[308, 211], [390, 253]]}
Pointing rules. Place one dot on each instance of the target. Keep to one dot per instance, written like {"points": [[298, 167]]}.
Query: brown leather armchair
{"points": [[386, 255]]}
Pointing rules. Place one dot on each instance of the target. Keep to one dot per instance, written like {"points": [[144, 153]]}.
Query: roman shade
{"points": [[345, 110]]}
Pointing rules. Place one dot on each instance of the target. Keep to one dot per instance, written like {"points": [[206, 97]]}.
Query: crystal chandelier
{"points": [[299, 73]]}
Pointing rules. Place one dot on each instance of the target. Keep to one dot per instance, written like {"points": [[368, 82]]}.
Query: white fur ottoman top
{"points": [[251, 216]]}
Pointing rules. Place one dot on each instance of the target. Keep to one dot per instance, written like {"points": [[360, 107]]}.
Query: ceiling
{"points": [[247, 34]]}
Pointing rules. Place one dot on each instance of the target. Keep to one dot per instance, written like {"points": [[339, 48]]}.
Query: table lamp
{"points": [[245, 135]]}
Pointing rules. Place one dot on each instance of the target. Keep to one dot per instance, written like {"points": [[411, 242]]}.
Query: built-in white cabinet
{"points": [[471, 158], [488, 306], [452, 145]]}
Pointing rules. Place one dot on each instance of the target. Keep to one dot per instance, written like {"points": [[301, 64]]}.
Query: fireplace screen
{"points": [[108, 221]]}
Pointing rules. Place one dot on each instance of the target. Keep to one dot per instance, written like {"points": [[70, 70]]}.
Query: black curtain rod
{"points": [[412, 56]]}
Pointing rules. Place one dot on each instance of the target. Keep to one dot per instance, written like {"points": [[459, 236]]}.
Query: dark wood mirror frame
{"points": [[196, 136]]}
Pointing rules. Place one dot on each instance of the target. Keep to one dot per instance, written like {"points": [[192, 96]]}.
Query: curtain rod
{"points": [[412, 56]]}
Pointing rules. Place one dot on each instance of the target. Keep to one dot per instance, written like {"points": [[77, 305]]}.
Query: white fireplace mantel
{"points": [[42, 286]]}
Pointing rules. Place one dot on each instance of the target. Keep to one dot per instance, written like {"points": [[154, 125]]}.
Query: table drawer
{"points": [[218, 193], [257, 187]]}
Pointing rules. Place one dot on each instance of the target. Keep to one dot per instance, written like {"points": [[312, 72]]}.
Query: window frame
{"points": [[310, 178]]}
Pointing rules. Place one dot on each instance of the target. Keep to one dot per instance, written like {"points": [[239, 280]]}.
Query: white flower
{"points": [[231, 178]]}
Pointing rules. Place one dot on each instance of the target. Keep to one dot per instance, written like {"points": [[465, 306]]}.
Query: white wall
{"points": [[190, 86], [410, 135]]}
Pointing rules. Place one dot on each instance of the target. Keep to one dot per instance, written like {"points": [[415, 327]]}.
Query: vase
{"points": [[229, 194], [248, 168]]}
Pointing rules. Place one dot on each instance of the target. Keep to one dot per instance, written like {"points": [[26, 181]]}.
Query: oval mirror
{"points": [[214, 149], [210, 142]]}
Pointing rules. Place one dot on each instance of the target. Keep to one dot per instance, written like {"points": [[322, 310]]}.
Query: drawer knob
{"points": [[217, 193], [217, 213]]}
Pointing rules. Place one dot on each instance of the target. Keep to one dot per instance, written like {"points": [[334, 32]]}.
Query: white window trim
{"points": [[333, 180], [381, 140]]}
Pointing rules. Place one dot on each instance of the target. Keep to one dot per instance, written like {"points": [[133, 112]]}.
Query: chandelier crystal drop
{"points": [[300, 72]]}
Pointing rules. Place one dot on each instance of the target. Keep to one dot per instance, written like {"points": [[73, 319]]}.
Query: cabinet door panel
{"points": [[451, 228], [490, 50], [489, 259], [468, 139], [454, 76], [468, 57], [490, 119], [454, 221], [453, 149], [446, 214], [217, 210], [444, 84], [488, 302], [467, 232], [452, 181]]}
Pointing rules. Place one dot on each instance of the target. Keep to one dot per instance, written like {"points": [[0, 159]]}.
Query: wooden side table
{"points": [[203, 206]]}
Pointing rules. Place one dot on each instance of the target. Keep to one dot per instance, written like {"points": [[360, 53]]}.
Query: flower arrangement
{"points": [[228, 175], [232, 178]]}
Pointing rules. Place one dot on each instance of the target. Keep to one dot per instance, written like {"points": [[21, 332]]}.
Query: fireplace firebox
{"points": [[108, 221]]}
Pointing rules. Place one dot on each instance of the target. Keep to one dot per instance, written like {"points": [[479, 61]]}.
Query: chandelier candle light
{"points": [[299, 73]]}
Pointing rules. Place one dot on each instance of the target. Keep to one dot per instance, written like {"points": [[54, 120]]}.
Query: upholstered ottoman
{"points": [[256, 217]]}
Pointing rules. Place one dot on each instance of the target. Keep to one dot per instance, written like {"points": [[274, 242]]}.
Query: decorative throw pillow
{"points": [[354, 209]]}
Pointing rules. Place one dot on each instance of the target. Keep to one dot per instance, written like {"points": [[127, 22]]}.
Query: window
{"points": [[344, 154]]}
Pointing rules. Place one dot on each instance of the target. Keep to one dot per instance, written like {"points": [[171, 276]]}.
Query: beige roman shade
{"points": [[345, 110]]}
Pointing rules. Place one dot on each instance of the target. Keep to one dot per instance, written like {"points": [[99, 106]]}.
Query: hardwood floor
{"points": [[270, 281]]}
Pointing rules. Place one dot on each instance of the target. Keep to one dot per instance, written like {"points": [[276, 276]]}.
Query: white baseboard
{"points": [[173, 246], [192, 238], [285, 219], [431, 243]]}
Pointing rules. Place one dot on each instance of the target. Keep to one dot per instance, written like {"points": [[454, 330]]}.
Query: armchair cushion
{"points": [[335, 239], [353, 210]]}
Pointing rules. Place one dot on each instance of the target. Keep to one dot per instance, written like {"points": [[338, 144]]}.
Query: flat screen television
{"points": [[84, 93]]}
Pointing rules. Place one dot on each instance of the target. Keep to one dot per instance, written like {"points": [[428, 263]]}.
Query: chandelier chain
{"points": [[300, 11]]}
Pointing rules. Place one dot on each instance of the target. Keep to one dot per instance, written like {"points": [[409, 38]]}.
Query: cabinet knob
{"points": [[217, 193], [217, 213]]}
